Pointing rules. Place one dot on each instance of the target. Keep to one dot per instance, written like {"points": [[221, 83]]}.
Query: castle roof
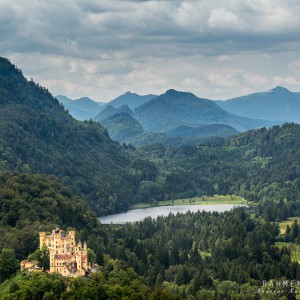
{"points": [[64, 256]]}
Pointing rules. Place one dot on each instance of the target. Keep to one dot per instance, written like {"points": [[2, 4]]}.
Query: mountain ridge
{"points": [[132, 100], [174, 108], [110, 110], [81, 109], [39, 135], [122, 126], [277, 104]]}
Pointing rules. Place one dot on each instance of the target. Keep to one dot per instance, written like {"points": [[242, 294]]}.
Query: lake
{"points": [[135, 215]]}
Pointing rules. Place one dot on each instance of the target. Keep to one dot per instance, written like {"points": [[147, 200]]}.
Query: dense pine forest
{"points": [[59, 172], [38, 135], [260, 165]]}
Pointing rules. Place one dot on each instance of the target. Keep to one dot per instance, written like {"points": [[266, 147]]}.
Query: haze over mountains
{"points": [[132, 100], [173, 115], [276, 104], [174, 109], [81, 109], [110, 110], [183, 115]]}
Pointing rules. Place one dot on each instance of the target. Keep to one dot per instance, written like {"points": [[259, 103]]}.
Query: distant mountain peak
{"points": [[277, 105], [110, 110], [174, 93], [280, 89], [133, 100], [129, 93]]}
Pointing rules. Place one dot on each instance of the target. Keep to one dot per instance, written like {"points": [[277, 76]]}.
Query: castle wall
{"points": [[65, 253]]}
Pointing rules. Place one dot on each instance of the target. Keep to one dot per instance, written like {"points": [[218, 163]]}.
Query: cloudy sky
{"points": [[217, 49]]}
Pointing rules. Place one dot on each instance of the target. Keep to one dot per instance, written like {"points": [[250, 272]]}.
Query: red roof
{"points": [[64, 256]]}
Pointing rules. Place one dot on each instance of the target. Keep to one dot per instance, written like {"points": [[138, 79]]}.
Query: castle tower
{"points": [[66, 257], [42, 239], [52, 261]]}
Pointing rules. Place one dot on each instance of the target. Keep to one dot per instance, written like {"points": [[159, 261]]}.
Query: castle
{"points": [[66, 257]]}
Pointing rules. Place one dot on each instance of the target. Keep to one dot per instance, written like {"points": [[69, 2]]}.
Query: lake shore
{"points": [[204, 200], [140, 214]]}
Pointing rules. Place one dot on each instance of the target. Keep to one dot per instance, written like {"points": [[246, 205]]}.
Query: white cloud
{"points": [[225, 58], [222, 19], [255, 79], [279, 80], [215, 48], [224, 77], [295, 68]]}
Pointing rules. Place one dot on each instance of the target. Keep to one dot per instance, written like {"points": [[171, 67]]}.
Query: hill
{"points": [[30, 202], [38, 135], [276, 104], [81, 109], [203, 131], [132, 100], [148, 138], [122, 126], [109, 111], [260, 165], [174, 109]]}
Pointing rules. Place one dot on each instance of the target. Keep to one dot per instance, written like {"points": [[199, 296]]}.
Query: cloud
{"points": [[279, 80], [142, 45], [224, 78], [221, 18]]}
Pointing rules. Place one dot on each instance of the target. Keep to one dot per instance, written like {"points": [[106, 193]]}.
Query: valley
{"points": [[56, 171], [149, 150]]}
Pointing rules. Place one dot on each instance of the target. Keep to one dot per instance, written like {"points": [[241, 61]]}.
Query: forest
{"points": [[199, 255], [59, 172]]}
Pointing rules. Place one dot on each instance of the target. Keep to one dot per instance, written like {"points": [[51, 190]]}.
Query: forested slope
{"points": [[261, 165], [205, 255], [38, 135], [31, 203], [192, 256]]}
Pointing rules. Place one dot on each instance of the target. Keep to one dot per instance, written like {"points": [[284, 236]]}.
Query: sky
{"points": [[216, 49]]}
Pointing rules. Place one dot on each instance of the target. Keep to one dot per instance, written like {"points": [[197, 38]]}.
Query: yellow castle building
{"points": [[66, 257]]}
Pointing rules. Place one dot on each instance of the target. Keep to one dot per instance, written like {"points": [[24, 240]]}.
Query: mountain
{"points": [[260, 165], [276, 104], [219, 130], [122, 126], [148, 138], [32, 201], [174, 109], [38, 135], [82, 108], [132, 100], [109, 111]]}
